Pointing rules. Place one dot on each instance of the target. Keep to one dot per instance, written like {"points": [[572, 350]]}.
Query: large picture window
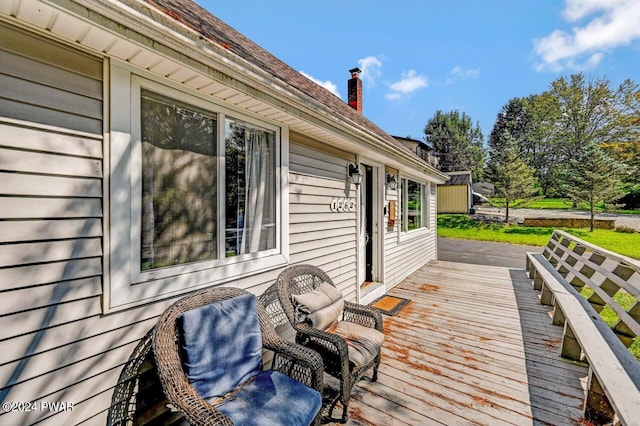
{"points": [[179, 180], [196, 192]]}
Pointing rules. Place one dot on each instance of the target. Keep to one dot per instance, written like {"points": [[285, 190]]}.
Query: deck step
{"points": [[370, 291]]}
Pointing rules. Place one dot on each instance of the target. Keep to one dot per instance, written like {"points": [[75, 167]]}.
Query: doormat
{"points": [[389, 305]]}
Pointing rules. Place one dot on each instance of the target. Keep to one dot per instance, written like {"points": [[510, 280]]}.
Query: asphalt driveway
{"points": [[484, 252]]}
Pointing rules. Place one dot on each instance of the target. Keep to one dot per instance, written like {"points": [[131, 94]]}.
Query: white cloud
{"points": [[578, 9], [457, 73], [330, 86], [370, 67], [392, 96], [594, 60], [613, 23], [409, 83]]}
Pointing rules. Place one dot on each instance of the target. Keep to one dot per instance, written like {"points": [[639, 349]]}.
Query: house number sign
{"points": [[343, 205]]}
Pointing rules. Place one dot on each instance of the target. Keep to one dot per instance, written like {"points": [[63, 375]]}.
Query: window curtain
{"points": [[256, 167]]}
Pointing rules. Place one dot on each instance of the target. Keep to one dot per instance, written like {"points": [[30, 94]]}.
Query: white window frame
{"points": [[425, 206], [129, 286]]}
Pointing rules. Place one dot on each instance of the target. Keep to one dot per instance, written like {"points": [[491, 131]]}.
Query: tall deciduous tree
{"points": [[626, 147], [512, 177], [587, 112], [573, 113], [539, 146], [591, 113], [593, 177], [526, 125], [458, 143]]}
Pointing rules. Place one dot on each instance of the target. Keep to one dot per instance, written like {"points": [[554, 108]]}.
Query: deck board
{"points": [[474, 347]]}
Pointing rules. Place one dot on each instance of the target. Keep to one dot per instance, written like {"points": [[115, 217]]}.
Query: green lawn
{"points": [[558, 204], [550, 203], [464, 227], [625, 300]]}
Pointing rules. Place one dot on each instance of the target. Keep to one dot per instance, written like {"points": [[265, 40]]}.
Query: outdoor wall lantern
{"points": [[392, 183], [355, 174]]}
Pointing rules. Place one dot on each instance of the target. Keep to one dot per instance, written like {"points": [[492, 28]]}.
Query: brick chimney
{"points": [[354, 90]]}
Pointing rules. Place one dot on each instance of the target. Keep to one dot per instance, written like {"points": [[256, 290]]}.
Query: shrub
{"points": [[631, 200], [625, 230]]}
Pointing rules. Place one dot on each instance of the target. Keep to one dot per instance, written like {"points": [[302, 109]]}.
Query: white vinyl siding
{"points": [[57, 344], [405, 254], [36, 86], [51, 229], [318, 235]]}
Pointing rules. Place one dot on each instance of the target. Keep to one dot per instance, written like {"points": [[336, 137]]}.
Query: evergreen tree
{"points": [[514, 119], [509, 131], [627, 154], [513, 178], [593, 177]]}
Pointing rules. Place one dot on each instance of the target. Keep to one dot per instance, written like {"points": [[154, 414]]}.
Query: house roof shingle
{"points": [[212, 28]]}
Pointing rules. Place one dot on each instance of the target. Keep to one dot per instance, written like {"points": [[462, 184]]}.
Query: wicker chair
{"points": [[127, 402], [335, 349], [295, 361]]}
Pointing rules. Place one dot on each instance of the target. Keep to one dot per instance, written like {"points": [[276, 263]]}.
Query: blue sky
{"points": [[419, 56]]}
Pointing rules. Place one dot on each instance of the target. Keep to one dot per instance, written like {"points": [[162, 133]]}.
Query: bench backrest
{"points": [[568, 269], [613, 280]]}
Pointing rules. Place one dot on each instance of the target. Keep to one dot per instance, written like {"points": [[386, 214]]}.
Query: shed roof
{"points": [[459, 178]]}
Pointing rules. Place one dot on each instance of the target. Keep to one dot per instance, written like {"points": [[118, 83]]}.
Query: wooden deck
{"points": [[473, 347]]}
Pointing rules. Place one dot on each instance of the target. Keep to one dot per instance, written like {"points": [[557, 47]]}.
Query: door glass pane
{"points": [[178, 183]]}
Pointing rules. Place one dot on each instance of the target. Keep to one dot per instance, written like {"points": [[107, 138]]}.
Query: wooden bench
{"points": [[613, 389]]}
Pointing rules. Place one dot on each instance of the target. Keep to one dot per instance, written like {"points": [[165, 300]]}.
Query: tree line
{"points": [[579, 139]]}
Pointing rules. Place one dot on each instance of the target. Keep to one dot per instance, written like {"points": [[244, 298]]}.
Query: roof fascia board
{"points": [[141, 23]]}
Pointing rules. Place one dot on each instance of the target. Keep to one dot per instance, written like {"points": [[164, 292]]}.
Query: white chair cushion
{"points": [[364, 343], [322, 306]]}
